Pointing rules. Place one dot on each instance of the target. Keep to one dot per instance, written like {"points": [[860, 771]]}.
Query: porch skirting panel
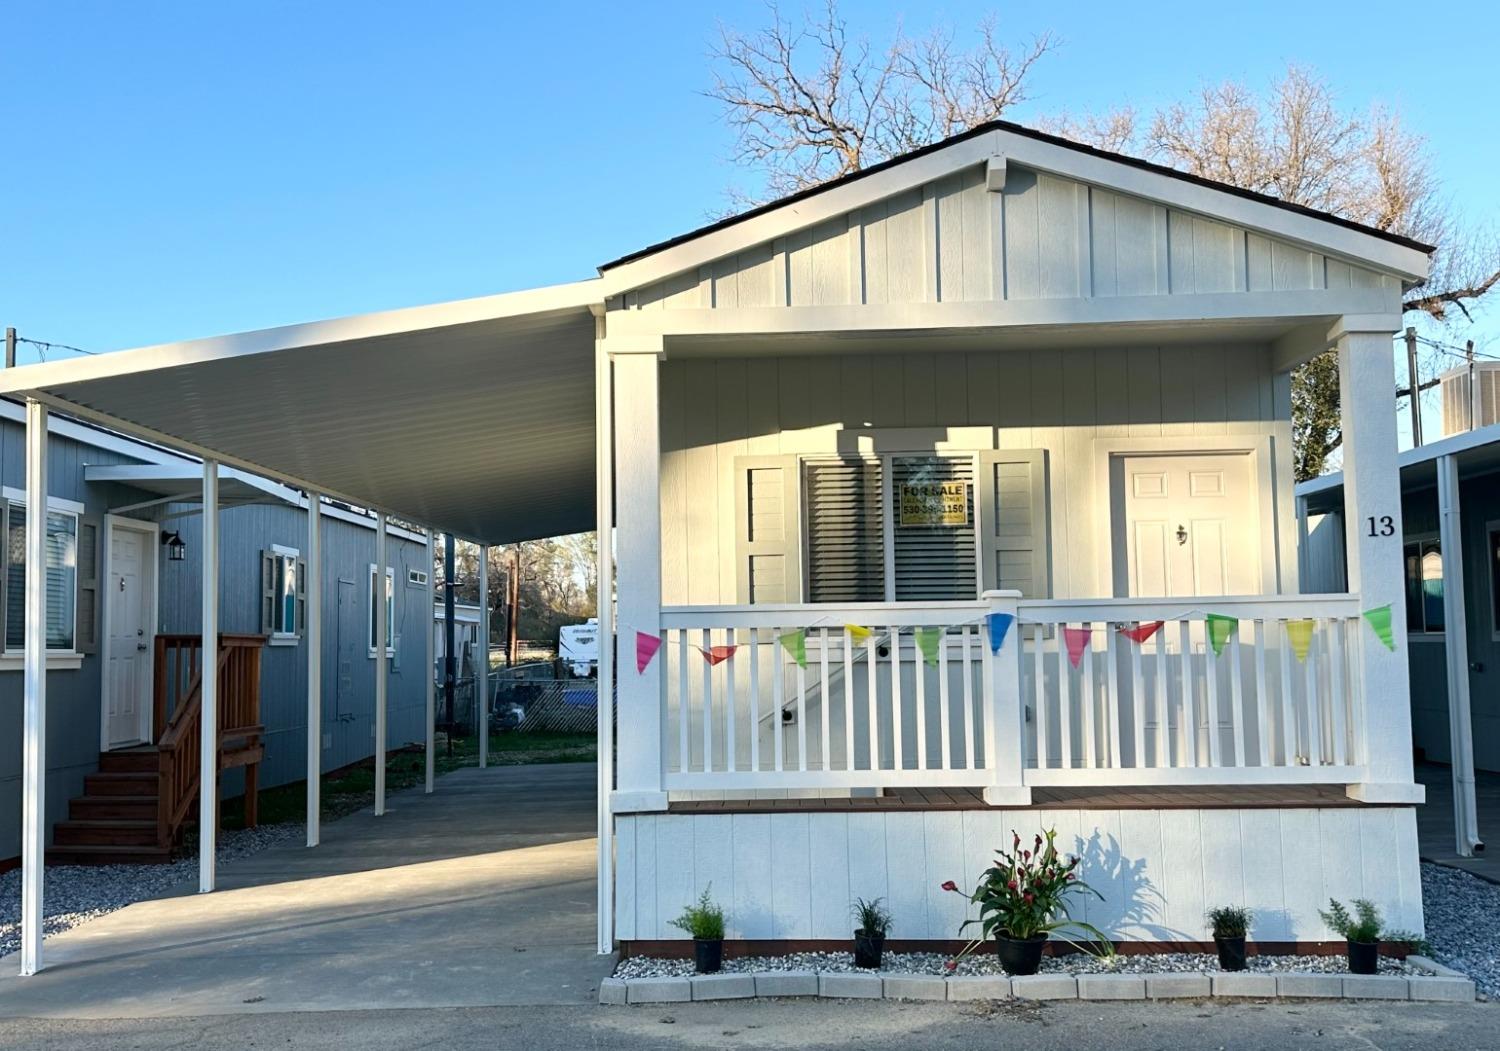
{"points": [[791, 876]]}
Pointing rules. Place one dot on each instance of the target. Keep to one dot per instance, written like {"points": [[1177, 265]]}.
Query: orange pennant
{"points": [[717, 654], [1141, 632]]}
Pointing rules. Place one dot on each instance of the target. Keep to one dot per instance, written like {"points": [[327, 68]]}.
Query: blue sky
{"points": [[180, 170]]}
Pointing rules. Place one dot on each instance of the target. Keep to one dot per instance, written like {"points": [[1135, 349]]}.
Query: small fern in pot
{"points": [[1231, 923], [705, 922], [1361, 932], [872, 923]]}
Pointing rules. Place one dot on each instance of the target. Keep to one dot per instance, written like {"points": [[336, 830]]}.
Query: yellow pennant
{"points": [[857, 633], [1301, 633]]}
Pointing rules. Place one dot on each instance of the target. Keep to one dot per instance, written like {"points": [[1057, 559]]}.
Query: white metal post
{"points": [[482, 673], [637, 444], [604, 608], [431, 736], [1456, 644], [1003, 726], [208, 742], [34, 748], [1373, 532], [381, 628], [312, 586]]}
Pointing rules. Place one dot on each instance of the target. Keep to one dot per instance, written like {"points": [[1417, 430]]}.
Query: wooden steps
{"points": [[114, 822]]}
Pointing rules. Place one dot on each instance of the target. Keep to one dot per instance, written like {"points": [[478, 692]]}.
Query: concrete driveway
{"points": [[481, 894]]}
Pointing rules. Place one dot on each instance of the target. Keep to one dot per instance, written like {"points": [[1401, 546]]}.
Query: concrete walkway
{"points": [[481, 894], [1435, 830]]}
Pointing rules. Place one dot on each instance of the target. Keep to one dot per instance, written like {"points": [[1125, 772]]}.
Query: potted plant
{"points": [[1022, 899], [1361, 931], [1230, 924], [873, 921], [705, 922]]}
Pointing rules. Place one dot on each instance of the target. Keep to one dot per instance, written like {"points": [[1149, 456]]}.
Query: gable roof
{"points": [[1027, 133]]}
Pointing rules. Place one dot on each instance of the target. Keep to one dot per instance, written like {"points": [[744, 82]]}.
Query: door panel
{"points": [[1190, 526], [131, 621]]}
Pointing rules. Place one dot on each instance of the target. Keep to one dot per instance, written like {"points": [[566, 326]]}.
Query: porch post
{"points": [[34, 746], [1004, 727], [604, 609], [637, 460], [380, 661], [482, 673], [312, 586], [1456, 645], [1372, 523], [208, 732], [431, 673]]}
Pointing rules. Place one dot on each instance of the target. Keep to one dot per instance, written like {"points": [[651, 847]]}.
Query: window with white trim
{"points": [[390, 611], [61, 576], [283, 593], [1424, 586]]}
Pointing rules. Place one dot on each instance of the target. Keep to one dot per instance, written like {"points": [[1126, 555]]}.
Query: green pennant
{"points": [[1380, 620], [796, 644], [1220, 628], [927, 642]]}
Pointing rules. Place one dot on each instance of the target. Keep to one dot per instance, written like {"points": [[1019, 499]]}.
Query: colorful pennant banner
{"points": [[1077, 640], [716, 654], [1141, 632], [1220, 628], [998, 624], [1300, 632], [927, 642], [795, 643], [857, 633], [646, 646], [1380, 620]]}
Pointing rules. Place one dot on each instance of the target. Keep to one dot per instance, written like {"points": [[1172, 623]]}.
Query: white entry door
{"points": [[1190, 526], [131, 614]]}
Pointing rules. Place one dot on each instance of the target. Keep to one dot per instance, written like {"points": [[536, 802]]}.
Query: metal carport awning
{"points": [[174, 483], [474, 417]]}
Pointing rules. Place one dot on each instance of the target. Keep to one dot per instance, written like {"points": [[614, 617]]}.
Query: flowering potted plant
{"points": [[874, 921], [1361, 932], [1022, 899], [1230, 924], [705, 922]]}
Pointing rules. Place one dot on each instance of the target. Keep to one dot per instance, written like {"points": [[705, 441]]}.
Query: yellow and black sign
{"points": [[935, 504]]}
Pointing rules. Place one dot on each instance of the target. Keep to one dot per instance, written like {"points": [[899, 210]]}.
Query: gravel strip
{"points": [[75, 894], [1463, 924]]}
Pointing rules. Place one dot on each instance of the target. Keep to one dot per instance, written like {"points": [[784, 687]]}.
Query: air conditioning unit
{"points": [[1459, 402]]}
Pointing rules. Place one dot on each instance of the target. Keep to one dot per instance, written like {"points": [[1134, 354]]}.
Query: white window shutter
{"points": [[1014, 547], [767, 501], [301, 596], [87, 638]]}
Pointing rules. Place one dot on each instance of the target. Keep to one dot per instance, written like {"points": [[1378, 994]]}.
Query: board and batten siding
{"points": [[1043, 237], [793, 875], [716, 412]]}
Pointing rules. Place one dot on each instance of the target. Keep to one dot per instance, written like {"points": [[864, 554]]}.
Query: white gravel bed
{"points": [[75, 894], [1462, 913]]}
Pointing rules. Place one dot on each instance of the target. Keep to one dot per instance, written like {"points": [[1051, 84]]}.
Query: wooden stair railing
{"points": [[178, 703]]}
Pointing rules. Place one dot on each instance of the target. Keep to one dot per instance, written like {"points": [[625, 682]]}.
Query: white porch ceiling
{"points": [[475, 417]]}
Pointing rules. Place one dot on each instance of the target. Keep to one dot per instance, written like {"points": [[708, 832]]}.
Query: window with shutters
{"points": [[61, 576], [283, 594], [845, 534], [390, 610]]}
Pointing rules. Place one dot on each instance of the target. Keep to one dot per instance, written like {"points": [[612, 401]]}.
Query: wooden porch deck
{"points": [[1194, 797]]}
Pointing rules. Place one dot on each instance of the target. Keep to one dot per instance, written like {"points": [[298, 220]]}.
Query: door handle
{"points": [[140, 646]]}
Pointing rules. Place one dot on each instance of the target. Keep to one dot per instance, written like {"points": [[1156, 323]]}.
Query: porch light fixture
{"points": [[176, 549]]}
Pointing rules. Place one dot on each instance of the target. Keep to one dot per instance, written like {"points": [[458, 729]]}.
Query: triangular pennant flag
{"points": [[1380, 620], [1077, 640], [796, 644], [857, 633], [1301, 633], [645, 648], [998, 624], [716, 654], [1142, 632], [927, 642], [1220, 628]]}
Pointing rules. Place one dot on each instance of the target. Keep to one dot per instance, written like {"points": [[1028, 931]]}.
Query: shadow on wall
{"points": [[1132, 903]]}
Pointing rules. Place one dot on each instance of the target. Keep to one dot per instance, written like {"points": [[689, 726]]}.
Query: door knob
{"points": [[1181, 535]]}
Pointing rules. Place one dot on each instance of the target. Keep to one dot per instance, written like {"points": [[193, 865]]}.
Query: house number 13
{"points": [[1385, 525]]}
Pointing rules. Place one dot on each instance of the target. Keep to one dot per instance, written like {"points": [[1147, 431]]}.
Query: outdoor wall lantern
{"points": [[176, 549]]}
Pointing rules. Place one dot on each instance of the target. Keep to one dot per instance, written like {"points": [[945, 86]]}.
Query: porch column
{"points": [[34, 744], [208, 732], [604, 608], [431, 673], [1456, 645], [1004, 727], [637, 494], [380, 662], [312, 631], [1372, 523], [482, 674]]}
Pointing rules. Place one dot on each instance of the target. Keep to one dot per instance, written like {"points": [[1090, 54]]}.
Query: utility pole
{"points": [[1473, 387], [1416, 392], [449, 664], [10, 347]]}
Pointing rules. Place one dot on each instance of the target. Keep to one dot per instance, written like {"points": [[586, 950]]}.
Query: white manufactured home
{"points": [[950, 498]]}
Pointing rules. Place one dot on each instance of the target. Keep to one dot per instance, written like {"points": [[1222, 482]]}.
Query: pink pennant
{"points": [[1078, 641], [1141, 632], [645, 648], [717, 654]]}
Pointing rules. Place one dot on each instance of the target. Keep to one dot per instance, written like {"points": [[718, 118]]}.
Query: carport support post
{"points": [[208, 733], [381, 628], [312, 586], [482, 674], [1460, 717], [431, 737], [34, 746]]}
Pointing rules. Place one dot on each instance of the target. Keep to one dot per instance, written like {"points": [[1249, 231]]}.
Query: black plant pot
{"points": [[867, 949], [1231, 953], [708, 953], [1364, 957], [1020, 955]]}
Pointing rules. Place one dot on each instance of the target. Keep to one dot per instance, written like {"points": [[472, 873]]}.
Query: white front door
{"points": [[1190, 526], [130, 614]]}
